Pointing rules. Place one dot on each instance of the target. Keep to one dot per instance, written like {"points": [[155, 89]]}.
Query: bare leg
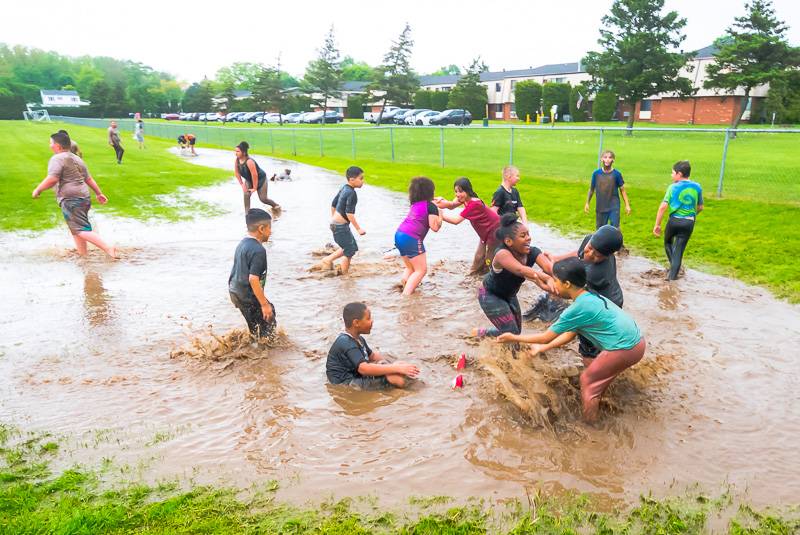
{"points": [[395, 379], [420, 265], [246, 202], [262, 195], [95, 239], [328, 260], [409, 269], [80, 244], [479, 260], [345, 265]]}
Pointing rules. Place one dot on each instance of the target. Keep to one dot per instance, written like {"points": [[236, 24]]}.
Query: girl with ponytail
{"points": [[512, 265], [597, 318]]}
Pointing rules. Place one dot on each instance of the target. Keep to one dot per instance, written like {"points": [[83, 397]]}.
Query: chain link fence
{"points": [[750, 163]]}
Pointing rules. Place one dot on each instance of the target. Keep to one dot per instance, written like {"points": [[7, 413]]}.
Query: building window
{"points": [[559, 80], [51, 99], [498, 108], [446, 88], [74, 99], [497, 87], [513, 84], [647, 105]]}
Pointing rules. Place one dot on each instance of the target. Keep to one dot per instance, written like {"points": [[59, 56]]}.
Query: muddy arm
{"points": [[47, 183]]}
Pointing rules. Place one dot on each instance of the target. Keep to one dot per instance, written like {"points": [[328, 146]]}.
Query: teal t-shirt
{"points": [[599, 320], [683, 197]]}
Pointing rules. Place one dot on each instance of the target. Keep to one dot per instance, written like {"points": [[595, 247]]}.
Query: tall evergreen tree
{"points": [[469, 93], [754, 52], [394, 76], [324, 75], [638, 60], [268, 91]]}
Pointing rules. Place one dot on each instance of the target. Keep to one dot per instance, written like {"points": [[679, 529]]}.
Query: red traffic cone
{"points": [[462, 362], [458, 382]]}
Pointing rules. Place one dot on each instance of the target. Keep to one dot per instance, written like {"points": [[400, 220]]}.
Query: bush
{"points": [[554, 93], [527, 98], [422, 99], [355, 107], [578, 114], [439, 100], [783, 99], [11, 106], [605, 104]]}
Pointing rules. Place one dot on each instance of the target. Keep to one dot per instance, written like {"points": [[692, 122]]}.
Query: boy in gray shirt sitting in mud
{"points": [[352, 362]]}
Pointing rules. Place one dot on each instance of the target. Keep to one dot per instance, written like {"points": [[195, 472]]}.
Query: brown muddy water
{"points": [[120, 356]]}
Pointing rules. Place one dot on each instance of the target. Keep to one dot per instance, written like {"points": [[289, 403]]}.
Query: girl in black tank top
{"points": [[244, 174]]}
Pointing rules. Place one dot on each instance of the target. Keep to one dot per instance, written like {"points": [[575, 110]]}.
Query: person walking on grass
{"points": [[251, 178], [591, 315], [67, 173], [607, 185], [138, 132], [115, 141], [683, 200], [422, 216]]}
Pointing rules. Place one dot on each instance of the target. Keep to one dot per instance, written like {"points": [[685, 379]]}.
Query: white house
{"points": [[61, 98]]}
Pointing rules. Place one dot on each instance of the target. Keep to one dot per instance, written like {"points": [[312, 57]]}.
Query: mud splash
{"points": [[102, 349]]}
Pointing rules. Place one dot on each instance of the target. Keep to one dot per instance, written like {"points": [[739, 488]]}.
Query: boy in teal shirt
{"points": [[684, 200]]}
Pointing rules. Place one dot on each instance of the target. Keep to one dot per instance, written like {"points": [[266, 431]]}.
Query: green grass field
{"points": [[749, 234]]}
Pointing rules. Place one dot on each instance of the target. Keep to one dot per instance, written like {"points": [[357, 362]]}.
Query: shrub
{"points": [[11, 106], [423, 98], [527, 98], [605, 104], [578, 114], [555, 93], [355, 107], [439, 100]]}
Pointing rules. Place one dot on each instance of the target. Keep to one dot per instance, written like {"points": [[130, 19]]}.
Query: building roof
{"points": [[491, 76], [59, 93], [706, 52], [352, 85]]}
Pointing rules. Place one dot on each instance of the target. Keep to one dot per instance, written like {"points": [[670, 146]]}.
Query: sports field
{"points": [[748, 234]]}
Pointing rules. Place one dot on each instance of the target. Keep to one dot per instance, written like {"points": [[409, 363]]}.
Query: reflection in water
{"points": [[358, 402], [96, 301]]}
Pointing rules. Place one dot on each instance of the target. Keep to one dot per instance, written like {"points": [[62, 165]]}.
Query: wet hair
{"points": [[62, 131], [571, 270], [256, 217], [353, 311], [61, 138], [510, 170], [465, 185], [420, 189], [611, 152], [683, 167], [353, 171], [244, 146], [508, 227]]}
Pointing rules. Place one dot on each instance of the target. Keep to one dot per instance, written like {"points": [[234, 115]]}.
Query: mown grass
{"points": [[34, 500], [134, 189]]}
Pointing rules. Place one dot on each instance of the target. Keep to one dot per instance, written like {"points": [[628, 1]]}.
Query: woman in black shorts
{"points": [[251, 177]]}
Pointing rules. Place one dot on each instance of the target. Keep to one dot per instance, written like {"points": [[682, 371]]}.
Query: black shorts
{"points": [[256, 324], [344, 238], [191, 141], [370, 382]]}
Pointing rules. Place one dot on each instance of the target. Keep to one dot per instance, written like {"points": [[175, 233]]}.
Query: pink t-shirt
{"points": [[483, 219]]}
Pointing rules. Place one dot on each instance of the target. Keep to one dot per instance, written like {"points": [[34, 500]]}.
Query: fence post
{"points": [[321, 151], [353, 141], [272, 141], [722, 166], [391, 140], [294, 141], [441, 145], [511, 152], [600, 150]]}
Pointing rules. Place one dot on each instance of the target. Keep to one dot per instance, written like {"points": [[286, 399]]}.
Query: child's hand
{"points": [[35, 193], [409, 370], [657, 230], [266, 311], [586, 208], [628, 209], [102, 199], [506, 338], [361, 232]]}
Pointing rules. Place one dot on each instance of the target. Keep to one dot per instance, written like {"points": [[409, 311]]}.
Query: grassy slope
{"points": [[33, 500], [132, 188]]}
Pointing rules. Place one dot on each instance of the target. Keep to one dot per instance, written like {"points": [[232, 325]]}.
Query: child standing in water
{"points": [[601, 321], [343, 214], [249, 276], [484, 221], [251, 178], [608, 184], [408, 239], [506, 200], [512, 264], [684, 200], [351, 361]]}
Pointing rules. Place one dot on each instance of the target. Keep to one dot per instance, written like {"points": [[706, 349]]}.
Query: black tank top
{"points": [[505, 284], [244, 171]]}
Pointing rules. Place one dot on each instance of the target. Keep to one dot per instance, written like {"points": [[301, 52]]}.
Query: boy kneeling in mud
{"points": [[249, 275], [352, 362]]}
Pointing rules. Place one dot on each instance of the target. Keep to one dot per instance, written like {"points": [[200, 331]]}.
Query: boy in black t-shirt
{"points": [[343, 214], [249, 275], [351, 361], [506, 200]]}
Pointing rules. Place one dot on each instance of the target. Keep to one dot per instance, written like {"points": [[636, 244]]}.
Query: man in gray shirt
{"points": [[115, 141]]}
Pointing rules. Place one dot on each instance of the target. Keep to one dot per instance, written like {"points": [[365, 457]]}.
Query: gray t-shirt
{"points": [[606, 188], [113, 135], [72, 174]]}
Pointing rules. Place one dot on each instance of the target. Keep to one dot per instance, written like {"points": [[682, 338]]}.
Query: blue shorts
{"points": [[344, 238], [408, 246]]}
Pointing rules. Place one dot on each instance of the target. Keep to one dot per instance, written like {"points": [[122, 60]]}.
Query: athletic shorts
{"points": [[368, 382], [76, 214], [344, 238], [408, 245], [191, 141]]}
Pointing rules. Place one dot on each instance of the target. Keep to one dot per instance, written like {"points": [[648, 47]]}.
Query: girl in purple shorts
{"points": [[422, 215]]}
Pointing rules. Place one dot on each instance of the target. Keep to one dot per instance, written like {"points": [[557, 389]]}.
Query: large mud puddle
{"points": [[140, 360]]}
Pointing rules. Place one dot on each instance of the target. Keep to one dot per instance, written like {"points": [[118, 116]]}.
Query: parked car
{"points": [[171, 116], [371, 116], [231, 117], [408, 117], [424, 118], [388, 117], [246, 117], [292, 117], [193, 116], [212, 116], [274, 118], [255, 117], [457, 117]]}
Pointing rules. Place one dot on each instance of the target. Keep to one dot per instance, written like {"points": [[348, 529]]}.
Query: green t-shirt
{"points": [[599, 320], [683, 197]]}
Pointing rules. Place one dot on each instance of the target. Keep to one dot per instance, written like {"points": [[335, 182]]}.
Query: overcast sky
{"points": [[192, 39]]}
